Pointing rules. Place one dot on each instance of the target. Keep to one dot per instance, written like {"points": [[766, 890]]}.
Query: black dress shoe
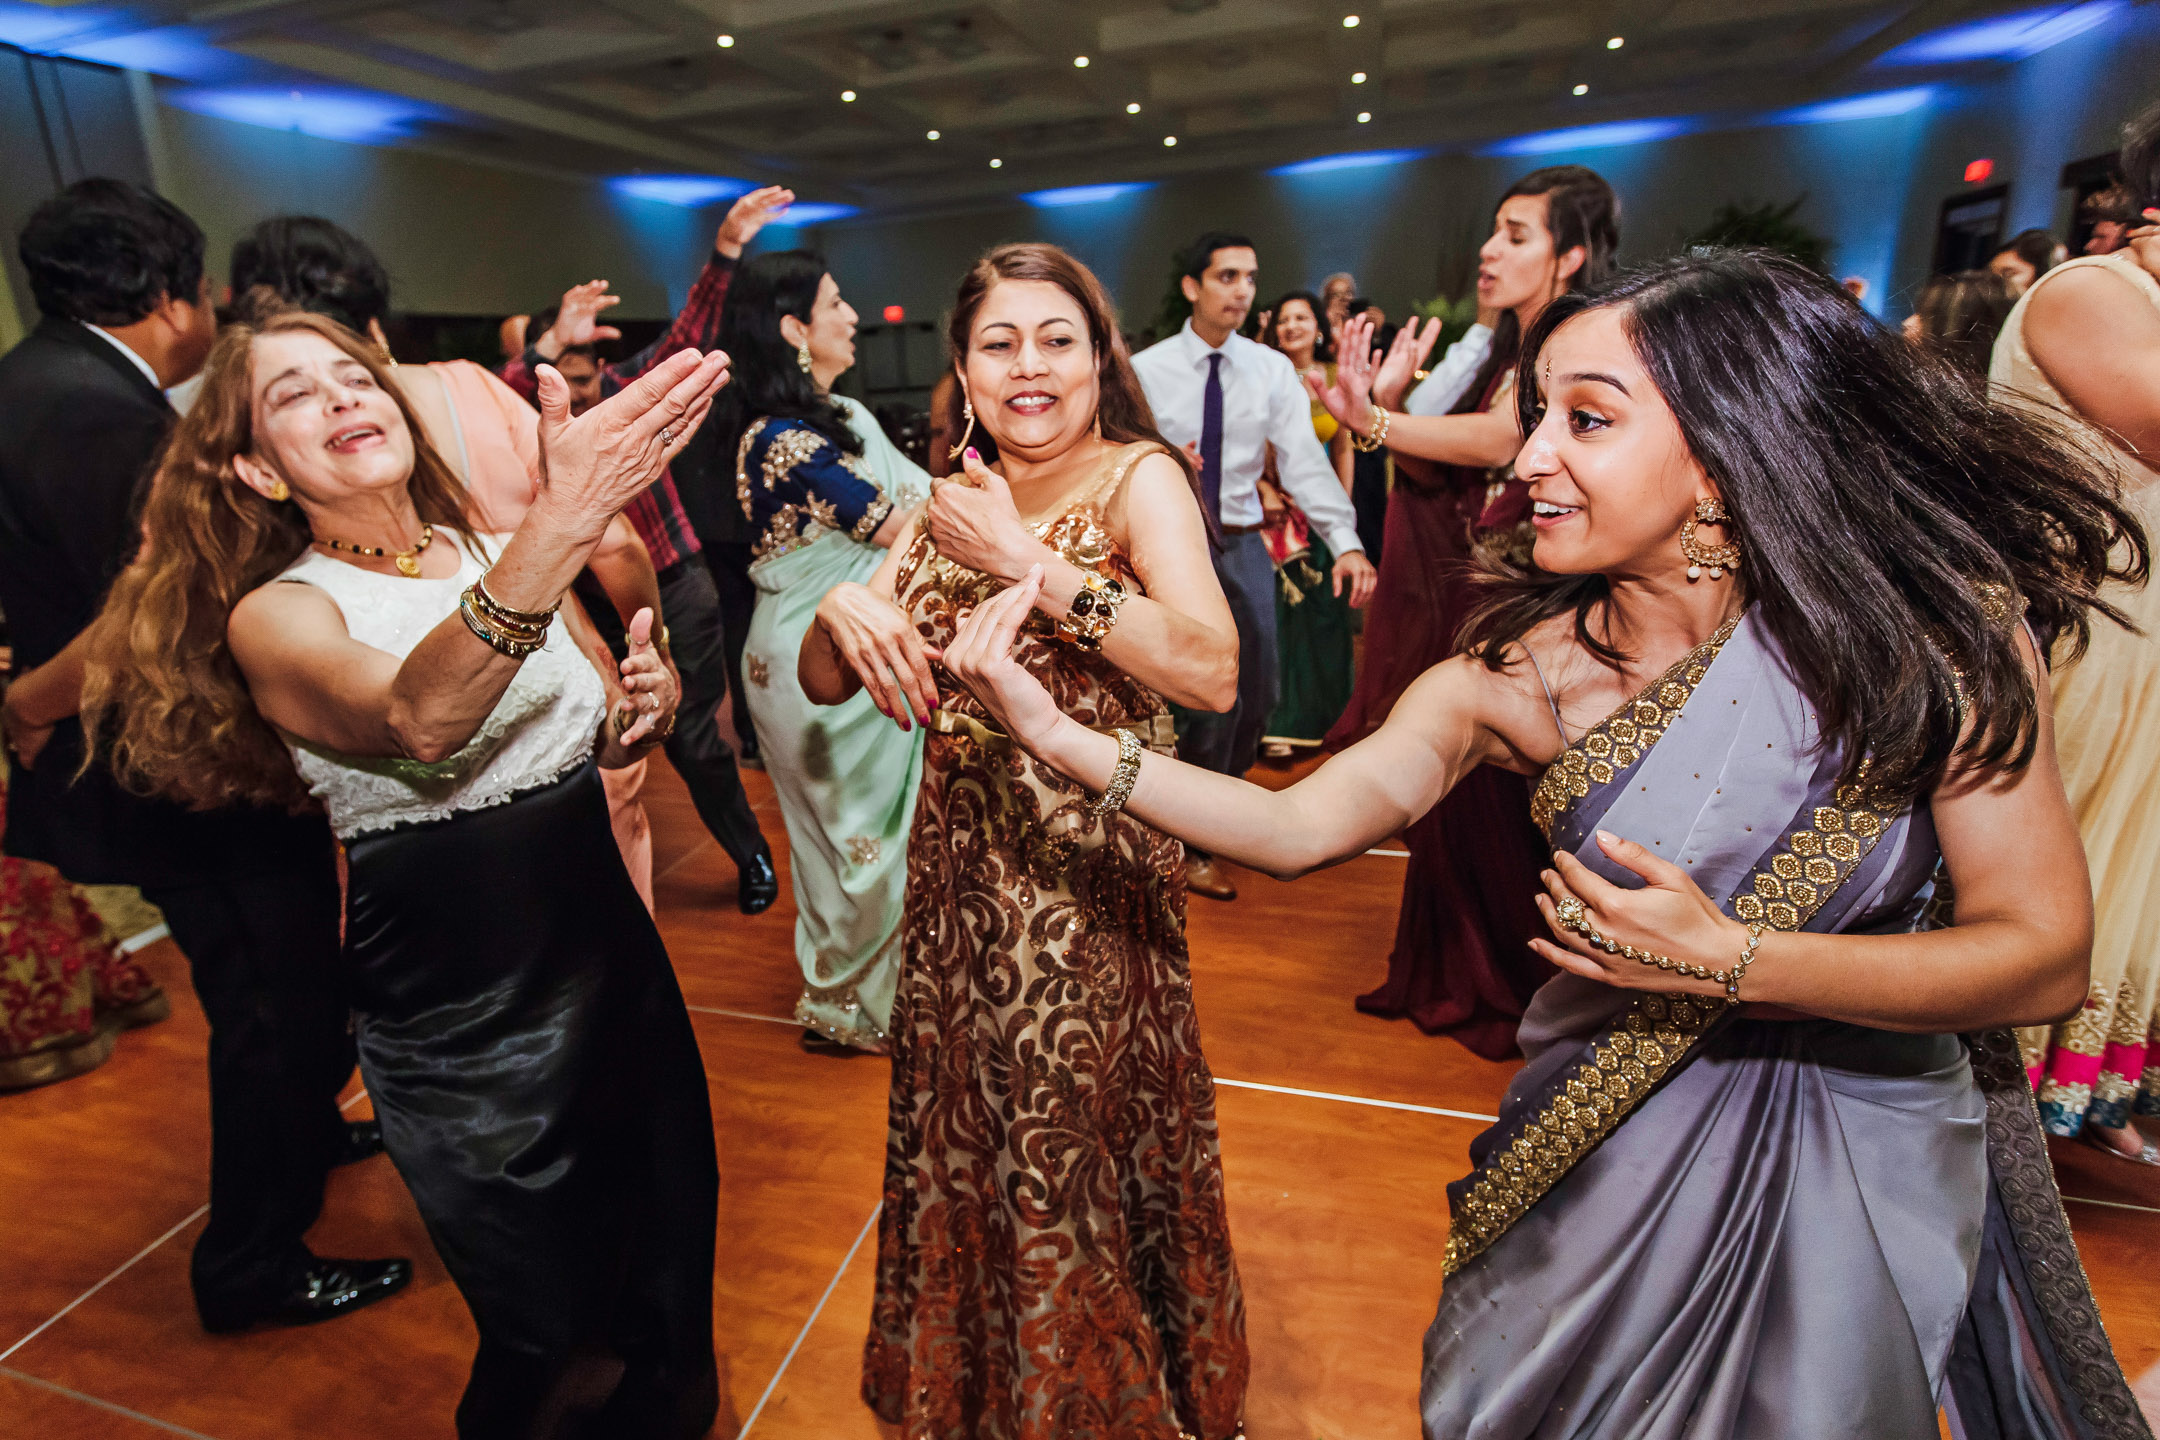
{"points": [[363, 1141], [328, 1289], [757, 885]]}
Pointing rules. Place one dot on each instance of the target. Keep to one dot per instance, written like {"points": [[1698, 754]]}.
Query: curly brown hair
{"points": [[163, 702]]}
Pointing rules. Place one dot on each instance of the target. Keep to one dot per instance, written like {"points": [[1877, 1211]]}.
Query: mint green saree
{"points": [[846, 775]]}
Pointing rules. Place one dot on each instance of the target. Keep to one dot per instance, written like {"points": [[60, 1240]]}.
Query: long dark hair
{"points": [[311, 264], [1121, 408], [1580, 209], [1881, 503], [1323, 349], [765, 379]]}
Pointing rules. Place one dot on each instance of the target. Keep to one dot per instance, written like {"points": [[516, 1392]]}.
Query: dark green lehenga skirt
{"points": [[1312, 646]]}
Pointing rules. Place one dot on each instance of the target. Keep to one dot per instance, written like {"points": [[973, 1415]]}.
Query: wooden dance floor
{"points": [[1339, 1133]]}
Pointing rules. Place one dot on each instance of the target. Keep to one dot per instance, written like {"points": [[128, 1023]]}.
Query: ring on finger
{"points": [[1571, 915], [667, 436]]}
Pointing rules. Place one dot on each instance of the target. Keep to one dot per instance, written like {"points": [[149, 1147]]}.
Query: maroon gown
{"points": [[1462, 964]]}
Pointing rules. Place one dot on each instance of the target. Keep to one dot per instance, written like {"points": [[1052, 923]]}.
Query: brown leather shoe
{"points": [[1205, 877]]}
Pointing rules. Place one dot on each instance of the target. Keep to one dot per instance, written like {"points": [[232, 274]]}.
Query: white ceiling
{"points": [[611, 86]]}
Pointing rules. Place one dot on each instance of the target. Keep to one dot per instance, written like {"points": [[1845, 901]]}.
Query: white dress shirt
{"points": [[1443, 385], [121, 345], [1263, 401]]}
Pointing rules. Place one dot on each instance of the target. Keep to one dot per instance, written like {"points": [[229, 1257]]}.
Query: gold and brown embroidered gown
{"points": [[1053, 1256]]}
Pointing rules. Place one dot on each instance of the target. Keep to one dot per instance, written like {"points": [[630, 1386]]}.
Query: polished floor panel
{"points": [[1340, 1133]]}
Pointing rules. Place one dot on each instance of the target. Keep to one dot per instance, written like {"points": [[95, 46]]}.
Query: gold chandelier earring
{"points": [[967, 409], [802, 357], [1717, 559]]}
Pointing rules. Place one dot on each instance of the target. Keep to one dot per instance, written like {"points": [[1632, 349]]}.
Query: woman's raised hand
{"points": [[646, 711], [598, 462], [981, 658], [1405, 358], [976, 524], [1349, 398], [873, 638], [1670, 916]]}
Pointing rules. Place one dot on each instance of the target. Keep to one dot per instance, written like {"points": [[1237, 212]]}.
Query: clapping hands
{"points": [[598, 462]]}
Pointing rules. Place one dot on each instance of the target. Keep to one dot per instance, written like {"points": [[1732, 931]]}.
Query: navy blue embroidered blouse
{"points": [[794, 485]]}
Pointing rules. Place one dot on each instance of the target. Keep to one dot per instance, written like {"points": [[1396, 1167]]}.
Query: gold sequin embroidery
{"points": [[1623, 737], [795, 525]]}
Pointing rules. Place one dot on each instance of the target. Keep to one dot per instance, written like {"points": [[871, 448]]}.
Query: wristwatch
{"points": [[1093, 611]]}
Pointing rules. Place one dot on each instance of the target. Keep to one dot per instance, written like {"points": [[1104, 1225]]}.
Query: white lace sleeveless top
{"points": [[544, 726]]}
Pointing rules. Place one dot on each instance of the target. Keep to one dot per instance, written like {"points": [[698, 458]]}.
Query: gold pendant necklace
{"points": [[407, 561]]}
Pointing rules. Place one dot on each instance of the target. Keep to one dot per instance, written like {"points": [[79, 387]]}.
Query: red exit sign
{"points": [[1978, 170], [894, 314]]}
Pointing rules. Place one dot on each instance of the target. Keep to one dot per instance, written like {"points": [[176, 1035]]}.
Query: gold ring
{"points": [[1570, 914]]}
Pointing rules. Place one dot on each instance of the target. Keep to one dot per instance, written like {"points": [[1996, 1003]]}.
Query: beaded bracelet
{"points": [[1573, 916], [1366, 444]]}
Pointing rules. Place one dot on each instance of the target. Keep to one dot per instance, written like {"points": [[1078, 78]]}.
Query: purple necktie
{"points": [[1211, 439]]}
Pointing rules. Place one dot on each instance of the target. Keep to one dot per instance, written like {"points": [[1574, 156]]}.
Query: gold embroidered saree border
{"points": [[1623, 737], [1657, 1034]]}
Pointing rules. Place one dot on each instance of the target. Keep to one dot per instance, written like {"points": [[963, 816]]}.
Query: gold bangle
{"points": [[503, 642], [489, 605], [1122, 779]]}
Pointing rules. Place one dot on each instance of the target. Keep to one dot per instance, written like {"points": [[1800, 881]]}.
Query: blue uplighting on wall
{"points": [[359, 116], [37, 28], [1361, 160], [689, 191], [2004, 37], [1857, 107], [1083, 194], [812, 213], [1593, 137]]}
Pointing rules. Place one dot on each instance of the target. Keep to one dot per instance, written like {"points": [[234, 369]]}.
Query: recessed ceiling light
{"points": [[847, 95], [1364, 117], [1582, 89], [997, 164], [1079, 62], [1349, 22], [1616, 42], [1169, 139], [1358, 79], [934, 135], [727, 42], [1133, 108]]}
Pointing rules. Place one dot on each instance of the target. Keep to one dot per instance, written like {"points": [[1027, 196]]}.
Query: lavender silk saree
{"points": [[1690, 1225]]}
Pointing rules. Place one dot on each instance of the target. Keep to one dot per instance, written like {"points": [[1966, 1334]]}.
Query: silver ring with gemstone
{"points": [[667, 436]]}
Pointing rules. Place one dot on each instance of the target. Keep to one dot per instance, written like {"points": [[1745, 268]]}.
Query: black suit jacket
{"points": [[80, 429]]}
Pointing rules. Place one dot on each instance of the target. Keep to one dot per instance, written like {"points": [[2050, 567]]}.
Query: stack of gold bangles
{"points": [[1572, 916], [1366, 444], [515, 633]]}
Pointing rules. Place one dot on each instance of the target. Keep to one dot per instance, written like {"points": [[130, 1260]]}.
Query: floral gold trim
{"points": [[1641, 1049], [1623, 737], [1657, 1034]]}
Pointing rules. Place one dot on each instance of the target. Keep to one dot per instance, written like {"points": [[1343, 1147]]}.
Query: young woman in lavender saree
{"points": [[1770, 1170]]}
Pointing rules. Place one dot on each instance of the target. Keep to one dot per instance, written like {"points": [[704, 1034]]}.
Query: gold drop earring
{"points": [[802, 357], [1717, 559], [967, 409]]}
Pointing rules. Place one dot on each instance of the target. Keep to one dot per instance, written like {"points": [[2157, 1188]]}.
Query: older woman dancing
{"points": [[315, 610]]}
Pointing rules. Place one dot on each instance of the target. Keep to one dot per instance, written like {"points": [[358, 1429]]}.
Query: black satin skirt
{"points": [[540, 1090]]}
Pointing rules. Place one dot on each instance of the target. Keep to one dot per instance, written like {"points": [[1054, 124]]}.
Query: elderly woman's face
{"points": [[322, 423]]}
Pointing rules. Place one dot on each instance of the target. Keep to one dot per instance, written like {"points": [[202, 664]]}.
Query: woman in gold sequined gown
{"points": [[1053, 1255]]}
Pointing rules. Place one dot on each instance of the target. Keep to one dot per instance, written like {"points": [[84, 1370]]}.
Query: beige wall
{"points": [[458, 238]]}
